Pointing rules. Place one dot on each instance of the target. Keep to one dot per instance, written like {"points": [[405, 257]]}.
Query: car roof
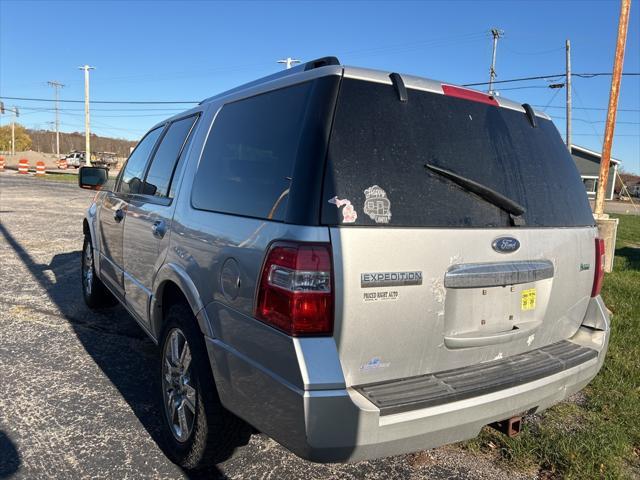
{"points": [[327, 66]]}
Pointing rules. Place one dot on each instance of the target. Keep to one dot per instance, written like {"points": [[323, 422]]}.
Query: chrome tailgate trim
{"points": [[495, 274]]}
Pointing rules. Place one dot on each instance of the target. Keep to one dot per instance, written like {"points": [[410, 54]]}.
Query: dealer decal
{"points": [[381, 296]]}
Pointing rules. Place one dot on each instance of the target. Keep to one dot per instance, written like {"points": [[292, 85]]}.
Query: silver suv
{"points": [[356, 263]]}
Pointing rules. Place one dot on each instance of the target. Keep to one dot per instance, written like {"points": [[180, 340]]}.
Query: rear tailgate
{"points": [[394, 331]]}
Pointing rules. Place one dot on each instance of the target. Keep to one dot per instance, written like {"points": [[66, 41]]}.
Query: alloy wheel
{"points": [[178, 392]]}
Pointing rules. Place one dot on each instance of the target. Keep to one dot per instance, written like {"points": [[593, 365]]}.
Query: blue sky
{"points": [[150, 51]]}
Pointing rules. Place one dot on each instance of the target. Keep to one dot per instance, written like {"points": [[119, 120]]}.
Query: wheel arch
{"points": [[173, 284]]}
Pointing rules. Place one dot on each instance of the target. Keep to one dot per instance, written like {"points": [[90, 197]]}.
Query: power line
{"points": [[524, 87], [124, 102], [552, 99], [541, 52], [179, 102], [600, 136], [597, 121], [543, 77], [592, 108]]}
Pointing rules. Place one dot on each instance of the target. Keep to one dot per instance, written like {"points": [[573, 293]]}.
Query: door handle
{"points": [[158, 228], [118, 215]]}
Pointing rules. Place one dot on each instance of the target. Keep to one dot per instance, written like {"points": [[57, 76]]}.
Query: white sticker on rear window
{"points": [[349, 214], [377, 205]]}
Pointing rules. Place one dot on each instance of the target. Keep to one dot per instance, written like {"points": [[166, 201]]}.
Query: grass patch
{"points": [[599, 436]]}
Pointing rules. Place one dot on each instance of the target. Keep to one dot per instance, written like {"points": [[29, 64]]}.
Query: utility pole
{"points": [[568, 92], [623, 25], [87, 132], [496, 33], [16, 114], [288, 62], [56, 87]]}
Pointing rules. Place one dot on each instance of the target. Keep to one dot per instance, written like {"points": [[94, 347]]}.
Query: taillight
{"points": [[468, 94], [295, 293], [599, 268]]}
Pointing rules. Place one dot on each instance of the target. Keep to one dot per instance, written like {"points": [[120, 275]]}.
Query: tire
{"points": [[95, 294], [212, 433]]}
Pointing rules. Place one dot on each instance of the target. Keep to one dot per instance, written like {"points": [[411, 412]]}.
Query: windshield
{"points": [[384, 154]]}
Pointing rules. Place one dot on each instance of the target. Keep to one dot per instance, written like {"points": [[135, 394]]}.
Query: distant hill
{"points": [[45, 141]]}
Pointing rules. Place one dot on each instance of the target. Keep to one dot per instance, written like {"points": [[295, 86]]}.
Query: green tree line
{"points": [[45, 141]]}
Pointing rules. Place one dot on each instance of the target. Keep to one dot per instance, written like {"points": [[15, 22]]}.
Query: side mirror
{"points": [[92, 178]]}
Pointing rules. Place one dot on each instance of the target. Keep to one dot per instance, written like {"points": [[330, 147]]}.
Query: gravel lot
{"points": [[74, 385]]}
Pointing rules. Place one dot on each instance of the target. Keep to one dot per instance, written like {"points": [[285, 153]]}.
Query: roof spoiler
{"points": [[303, 67], [321, 62]]}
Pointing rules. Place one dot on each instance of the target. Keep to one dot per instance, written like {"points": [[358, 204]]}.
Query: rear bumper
{"points": [[344, 425]]}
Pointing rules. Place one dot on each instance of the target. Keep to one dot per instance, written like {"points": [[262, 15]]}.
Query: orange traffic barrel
{"points": [[23, 166], [62, 164], [1, 163], [40, 168]]}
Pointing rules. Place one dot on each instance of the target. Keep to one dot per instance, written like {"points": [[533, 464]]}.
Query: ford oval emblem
{"points": [[505, 245]]}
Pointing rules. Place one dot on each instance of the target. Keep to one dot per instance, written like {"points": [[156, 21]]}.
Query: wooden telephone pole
{"points": [[613, 106]]}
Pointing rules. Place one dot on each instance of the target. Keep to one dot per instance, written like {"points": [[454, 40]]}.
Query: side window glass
{"points": [[164, 161], [249, 157], [131, 181]]}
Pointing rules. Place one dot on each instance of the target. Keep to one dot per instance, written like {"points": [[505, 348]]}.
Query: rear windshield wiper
{"points": [[514, 209]]}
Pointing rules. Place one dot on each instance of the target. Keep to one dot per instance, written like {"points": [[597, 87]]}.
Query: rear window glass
{"points": [[376, 173], [248, 160]]}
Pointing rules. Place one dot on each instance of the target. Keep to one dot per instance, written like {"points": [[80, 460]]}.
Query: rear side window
{"points": [[248, 160], [131, 180], [376, 165], [164, 161]]}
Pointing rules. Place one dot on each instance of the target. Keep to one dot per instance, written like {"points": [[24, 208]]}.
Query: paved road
{"points": [[74, 385]]}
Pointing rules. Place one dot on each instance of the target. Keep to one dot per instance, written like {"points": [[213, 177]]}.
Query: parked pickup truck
{"points": [[357, 263], [75, 159], [104, 159], [107, 160]]}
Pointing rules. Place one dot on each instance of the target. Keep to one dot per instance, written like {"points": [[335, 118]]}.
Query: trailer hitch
{"points": [[510, 427]]}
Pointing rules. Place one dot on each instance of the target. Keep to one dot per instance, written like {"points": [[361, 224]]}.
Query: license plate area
{"points": [[488, 310]]}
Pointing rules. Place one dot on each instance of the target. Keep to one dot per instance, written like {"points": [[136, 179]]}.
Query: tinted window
{"points": [[131, 180], [379, 148], [166, 156], [248, 160]]}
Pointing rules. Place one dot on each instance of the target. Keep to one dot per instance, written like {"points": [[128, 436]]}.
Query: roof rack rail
{"points": [[303, 67]]}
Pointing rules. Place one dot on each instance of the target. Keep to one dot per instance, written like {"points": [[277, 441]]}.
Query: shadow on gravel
{"points": [[9, 456], [113, 339]]}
